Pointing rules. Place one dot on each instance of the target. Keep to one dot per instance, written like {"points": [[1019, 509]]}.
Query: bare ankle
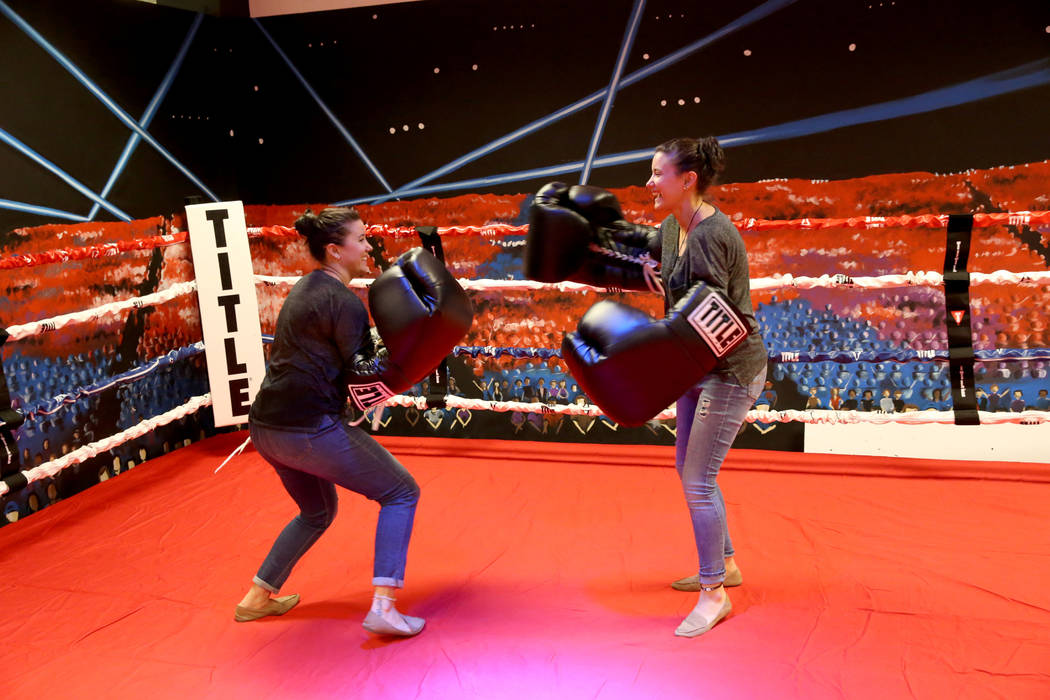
{"points": [[256, 597]]}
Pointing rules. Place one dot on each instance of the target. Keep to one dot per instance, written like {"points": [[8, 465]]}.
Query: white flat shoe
{"points": [[395, 624], [695, 624]]}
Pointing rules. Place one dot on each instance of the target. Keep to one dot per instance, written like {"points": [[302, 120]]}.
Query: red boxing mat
{"points": [[543, 572]]}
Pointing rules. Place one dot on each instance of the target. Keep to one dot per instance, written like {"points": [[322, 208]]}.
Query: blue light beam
{"points": [[744, 20], [62, 174], [324, 108], [101, 96], [151, 110], [1021, 77], [41, 211], [614, 86]]}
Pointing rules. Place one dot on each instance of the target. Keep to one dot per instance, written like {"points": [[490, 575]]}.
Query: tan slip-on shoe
{"points": [[692, 583], [275, 606]]}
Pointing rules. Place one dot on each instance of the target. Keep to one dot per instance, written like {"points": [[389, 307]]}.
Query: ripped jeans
{"points": [[709, 416]]}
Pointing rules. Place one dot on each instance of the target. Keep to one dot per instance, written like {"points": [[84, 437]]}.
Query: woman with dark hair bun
{"points": [[700, 244], [322, 339]]}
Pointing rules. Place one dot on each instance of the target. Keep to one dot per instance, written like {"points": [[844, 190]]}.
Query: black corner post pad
{"points": [[428, 236], [431, 241], [10, 419], [957, 250], [438, 385], [957, 319], [16, 482]]}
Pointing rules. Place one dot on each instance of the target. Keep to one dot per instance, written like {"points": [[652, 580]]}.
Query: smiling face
{"points": [[668, 186], [352, 254]]}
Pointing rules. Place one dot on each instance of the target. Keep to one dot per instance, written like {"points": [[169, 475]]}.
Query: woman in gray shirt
{"points": [[700, 244]]}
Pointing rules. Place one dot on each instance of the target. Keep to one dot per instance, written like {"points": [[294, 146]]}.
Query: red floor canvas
{"points": [[543, 572]]}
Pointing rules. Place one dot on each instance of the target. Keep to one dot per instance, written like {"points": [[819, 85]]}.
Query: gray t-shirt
{"points": [[321, 326], [715, 254]]}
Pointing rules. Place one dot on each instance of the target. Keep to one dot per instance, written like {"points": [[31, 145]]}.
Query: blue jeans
{"points": [[709, 417], [310, 465]]}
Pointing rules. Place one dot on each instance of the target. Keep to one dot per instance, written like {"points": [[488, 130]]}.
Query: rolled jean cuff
{"points": [[259, 582], [387, 581], [712, 580]]}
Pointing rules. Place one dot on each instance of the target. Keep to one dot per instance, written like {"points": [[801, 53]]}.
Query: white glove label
{"points": [[367, 395], [717, 324]]}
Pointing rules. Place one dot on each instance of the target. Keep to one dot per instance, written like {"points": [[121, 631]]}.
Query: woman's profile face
{"points": [[667, 186], [352, 255]]}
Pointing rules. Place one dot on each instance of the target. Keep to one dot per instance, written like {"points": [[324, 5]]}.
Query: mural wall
{"points": [[448, 112]]}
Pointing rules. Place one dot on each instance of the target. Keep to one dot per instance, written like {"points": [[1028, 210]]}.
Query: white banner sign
{"points": [[233, 347]]}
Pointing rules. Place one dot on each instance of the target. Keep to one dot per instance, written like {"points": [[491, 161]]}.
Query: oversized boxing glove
{"points": [[633, 366], [420, 312], [578, 233]]}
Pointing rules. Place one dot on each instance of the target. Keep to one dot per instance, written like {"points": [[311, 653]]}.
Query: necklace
{"points": [[684, 233]]}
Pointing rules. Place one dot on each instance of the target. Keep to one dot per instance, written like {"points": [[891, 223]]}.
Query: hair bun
{"points": [[711, 150], [307, 224]]}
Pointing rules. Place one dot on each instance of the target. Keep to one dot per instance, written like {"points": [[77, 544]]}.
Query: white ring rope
{"points": [[93, 449], [909, 418], [25, 330], [910, 279], [787, 416], [196, 403]]}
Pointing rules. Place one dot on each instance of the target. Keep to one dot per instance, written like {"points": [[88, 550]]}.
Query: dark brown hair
{"points": [[704, 157], [327, 227]]}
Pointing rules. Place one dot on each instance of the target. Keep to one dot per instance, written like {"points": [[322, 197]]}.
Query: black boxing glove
{"points": [[578, 233], [633, 366], [420, 312]]}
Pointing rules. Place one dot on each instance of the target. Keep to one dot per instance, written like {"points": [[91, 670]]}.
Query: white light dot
{"points": [[696, 100], [474, 67], [645, 57], [747, 52], [663, 103], [681, 102], [393, 130], [422, 125], [255, 87], [1048, 29], [495, 29], [260, 142], [436, 71], [375, 16], [534, 26], [231, 132], [309, 46], [322, 43], [852, 47], [405, 127], [335, 41]]}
